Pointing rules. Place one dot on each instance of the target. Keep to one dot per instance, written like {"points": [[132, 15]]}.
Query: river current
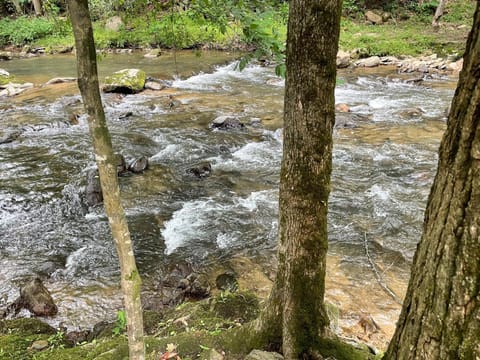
{"points": [[384, 163]]}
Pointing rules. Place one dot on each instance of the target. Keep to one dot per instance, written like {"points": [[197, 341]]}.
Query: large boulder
{"points": [[127, 81]]}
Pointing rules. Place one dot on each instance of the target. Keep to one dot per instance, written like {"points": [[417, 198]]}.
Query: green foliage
{"points": [[101, 9], [57, 340], [120, 323], [24, 30], [388, 39], [459, 12]]}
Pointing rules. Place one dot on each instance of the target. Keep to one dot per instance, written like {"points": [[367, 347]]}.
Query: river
{"points": [[384, 163]]}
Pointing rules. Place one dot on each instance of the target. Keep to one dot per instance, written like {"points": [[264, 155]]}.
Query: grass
{"points": [[413, 36]]}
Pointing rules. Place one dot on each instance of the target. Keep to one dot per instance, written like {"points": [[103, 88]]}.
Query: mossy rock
{"points": [[151, 319], [127, 81], [25, 327], [341, 350], [5, 77], [241, 306]]}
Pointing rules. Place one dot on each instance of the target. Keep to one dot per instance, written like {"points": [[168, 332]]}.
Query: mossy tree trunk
{"points": [[89, 87], [440, 318], [295, 315]]}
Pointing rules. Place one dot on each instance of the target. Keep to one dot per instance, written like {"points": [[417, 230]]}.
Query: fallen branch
{"points": [[377, 274]]}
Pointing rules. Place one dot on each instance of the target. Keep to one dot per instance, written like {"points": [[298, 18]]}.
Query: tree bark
{"points": [[38, 7], [295, 315], [438, 13], [89, 88], [440, 317]]}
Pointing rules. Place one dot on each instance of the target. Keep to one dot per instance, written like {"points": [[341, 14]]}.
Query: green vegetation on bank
{"points": [[192, 329], [223, 25]]}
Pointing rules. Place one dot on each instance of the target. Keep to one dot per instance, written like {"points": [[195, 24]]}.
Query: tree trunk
{"points": [[440, 318], [38, 7], [89, 87], [295, 314], [438, 13]]}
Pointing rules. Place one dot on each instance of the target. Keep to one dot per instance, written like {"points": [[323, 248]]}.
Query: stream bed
{"points": [[385, 154]]}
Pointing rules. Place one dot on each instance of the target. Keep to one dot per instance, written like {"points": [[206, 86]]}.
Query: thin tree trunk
{"points": [[440, 317], [438, 13], [89, 87], [295, 314], [38, 7]]}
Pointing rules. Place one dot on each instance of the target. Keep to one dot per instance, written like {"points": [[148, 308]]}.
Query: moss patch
{"points": [[25, 327]]}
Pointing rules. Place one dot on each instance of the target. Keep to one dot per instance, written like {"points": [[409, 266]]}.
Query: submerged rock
{"points": [[60, 80], [127, 81], [12, 89], [9, 136]]}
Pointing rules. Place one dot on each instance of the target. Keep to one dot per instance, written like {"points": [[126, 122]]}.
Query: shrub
{"points": [[24, 30]]}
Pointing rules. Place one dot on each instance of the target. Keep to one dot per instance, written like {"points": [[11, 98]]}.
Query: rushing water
{"points": [[383, 170]]}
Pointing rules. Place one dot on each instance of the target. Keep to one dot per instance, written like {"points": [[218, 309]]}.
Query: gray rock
{"points": [[201, 170], [139, 165], [121, 164], [154, 85], [343, 59], [114, 23], [93, 190], [12, 89], [226, 122], [373, 18], [154, 53], [39, 345], [60, 80], [369, 62], [213, 354], [263, 355]]}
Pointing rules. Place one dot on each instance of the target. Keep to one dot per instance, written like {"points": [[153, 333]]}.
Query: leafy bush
{"points": [[24, 30]]}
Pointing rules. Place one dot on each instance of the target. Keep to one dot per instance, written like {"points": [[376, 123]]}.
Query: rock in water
{"points": [[121, 164], [93, 191], [139, 165], [127, 81], [36, 298], [201, 170], [226, 123]]}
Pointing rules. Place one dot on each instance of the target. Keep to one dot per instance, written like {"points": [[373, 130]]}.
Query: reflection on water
{"points": [[383, 169]]}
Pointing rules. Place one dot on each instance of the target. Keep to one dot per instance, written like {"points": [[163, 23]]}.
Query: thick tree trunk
{"points": [[295, 314], [440, 318], [107, 166]]}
